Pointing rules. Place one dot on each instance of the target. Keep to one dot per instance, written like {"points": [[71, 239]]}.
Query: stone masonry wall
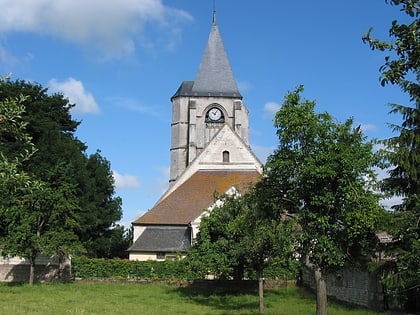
{"points": [[351, 286], [46, 269]]}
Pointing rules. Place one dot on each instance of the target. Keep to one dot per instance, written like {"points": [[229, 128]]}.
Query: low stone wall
{"points": [[352, 286], [46, 269]]}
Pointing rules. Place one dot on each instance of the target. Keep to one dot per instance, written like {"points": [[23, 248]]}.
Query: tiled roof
{"points": [[163, 239], [197, 193]]}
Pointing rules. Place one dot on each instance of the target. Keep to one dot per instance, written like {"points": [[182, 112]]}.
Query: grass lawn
{"points": [[131, 298]]}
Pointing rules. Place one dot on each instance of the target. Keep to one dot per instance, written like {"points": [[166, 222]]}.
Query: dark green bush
{"points": [[86, 268]]}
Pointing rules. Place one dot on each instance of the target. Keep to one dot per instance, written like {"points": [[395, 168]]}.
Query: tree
{"points": [[30, 222], [40, 220], [12, 178], [322, 170], [100, 209], [238, 240], [218, 250], [52, 130], [270, 239], [402, 152]]}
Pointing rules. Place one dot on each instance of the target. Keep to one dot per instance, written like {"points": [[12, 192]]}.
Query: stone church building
{"points": [[210, 155]]}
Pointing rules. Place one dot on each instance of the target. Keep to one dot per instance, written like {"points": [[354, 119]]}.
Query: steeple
{"points": [[214, 76]]}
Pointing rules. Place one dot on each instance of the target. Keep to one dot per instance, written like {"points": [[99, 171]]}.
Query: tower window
{"points": [[226, 157]]}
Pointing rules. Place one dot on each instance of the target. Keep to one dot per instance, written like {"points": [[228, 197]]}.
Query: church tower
{"points": [[202, 107], [210, 155]]}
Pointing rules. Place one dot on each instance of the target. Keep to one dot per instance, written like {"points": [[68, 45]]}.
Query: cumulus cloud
{"points": [[111, 26], [368, 127], [271, 107], [125, 181], [76, 94]]}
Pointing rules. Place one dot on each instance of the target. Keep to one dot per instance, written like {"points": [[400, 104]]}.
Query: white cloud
{"points": [[111, 26], [271, 107], [76, 94], [368, 127], [125, 181], [244, 86]]}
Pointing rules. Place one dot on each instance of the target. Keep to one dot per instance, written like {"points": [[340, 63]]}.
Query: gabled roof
{"points": [[163, 239], [241, 157], [197, 193], [214, 76], [195, 189]]}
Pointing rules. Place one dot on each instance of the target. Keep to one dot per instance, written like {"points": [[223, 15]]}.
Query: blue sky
{"points": [[120, 61]]}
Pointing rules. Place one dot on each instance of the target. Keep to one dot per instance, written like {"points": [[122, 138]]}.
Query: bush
{"points": [[87, 268]]}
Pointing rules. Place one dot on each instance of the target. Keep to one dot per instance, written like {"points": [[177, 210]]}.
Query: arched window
{"points": [[225, 156]]}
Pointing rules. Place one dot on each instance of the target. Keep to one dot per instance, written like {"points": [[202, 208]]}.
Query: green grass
{"points": [[130, 298]]}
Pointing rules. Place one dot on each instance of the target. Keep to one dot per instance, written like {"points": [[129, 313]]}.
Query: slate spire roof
{"points": [[214, 76]]}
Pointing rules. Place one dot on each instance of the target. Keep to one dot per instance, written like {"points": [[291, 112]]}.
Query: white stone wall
{"points": [[47, 268], [190, 133]]}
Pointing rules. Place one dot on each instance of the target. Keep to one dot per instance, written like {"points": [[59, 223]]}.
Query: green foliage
{"points": [[218, 250], [60, 163], [322, 171], [100, 210], [402, 153], [12, 127], [40, 220], [86, 268], [36, 217], [236, 241]]}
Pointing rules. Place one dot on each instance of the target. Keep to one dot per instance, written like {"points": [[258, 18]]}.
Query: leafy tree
{"points": [[270, 240], [30, 222], [12, 178], [38, 221], [322, 170], [52, 129], [218, 250], [238, 240], [100, 209], [402, 152]]}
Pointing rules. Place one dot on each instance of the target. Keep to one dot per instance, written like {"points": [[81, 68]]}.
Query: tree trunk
{"points": [[321, 293], [31, 271], [261, 291]]}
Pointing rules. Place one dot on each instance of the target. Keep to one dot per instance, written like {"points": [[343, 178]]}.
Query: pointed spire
{"points": [[215, 76]]}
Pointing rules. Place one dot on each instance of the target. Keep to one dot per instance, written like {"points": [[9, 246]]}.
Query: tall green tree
{"points": [[323, 169], [237, 239], [52, 130], [40, 220], [100, 209], [402, 152], [269, 238], [34, 217], [12, 177]]}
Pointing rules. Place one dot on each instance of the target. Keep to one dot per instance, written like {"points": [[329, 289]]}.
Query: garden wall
{"points": [[352, 286], [16, 269]]}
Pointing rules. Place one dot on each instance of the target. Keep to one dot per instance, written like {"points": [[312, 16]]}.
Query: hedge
{"points": [[88, 268]]}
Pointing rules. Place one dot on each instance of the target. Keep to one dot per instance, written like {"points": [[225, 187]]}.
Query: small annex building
{"points": [[210, 156]]}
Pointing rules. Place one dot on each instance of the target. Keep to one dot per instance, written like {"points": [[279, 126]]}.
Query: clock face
{"points": [[215, 113]]}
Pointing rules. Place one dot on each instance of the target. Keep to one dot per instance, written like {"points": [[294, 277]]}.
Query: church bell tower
{"points": [[201, 108]]}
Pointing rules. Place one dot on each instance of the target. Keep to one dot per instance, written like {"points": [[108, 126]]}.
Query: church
{"points": [[210, 155]]}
